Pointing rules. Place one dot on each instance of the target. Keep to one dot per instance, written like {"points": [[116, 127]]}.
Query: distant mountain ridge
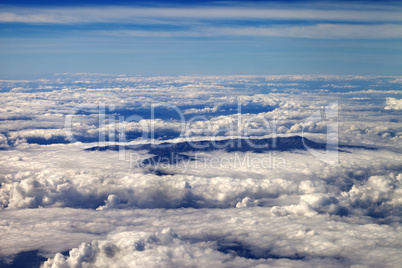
{"points": [[229, 145]]}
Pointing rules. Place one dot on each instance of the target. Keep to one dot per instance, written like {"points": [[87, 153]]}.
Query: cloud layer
{"points": [[208, 21], [77, 207]]}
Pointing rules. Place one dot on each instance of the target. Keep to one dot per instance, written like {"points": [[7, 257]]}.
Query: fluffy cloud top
{"points": [[227, 209], [393, 104]]}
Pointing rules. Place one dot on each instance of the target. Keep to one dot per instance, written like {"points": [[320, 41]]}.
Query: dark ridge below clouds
{"points": [[230, 145]]}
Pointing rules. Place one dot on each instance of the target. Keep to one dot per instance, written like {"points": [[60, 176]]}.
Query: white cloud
{"points": [[304, 213], [140, 249], [325, 31], [393, 104], [3, 142], [148, 14], [205, 237], [320, 31], [197, 19]]}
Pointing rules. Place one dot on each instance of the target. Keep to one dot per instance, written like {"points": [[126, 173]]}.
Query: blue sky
{"points": [[200, 37]]}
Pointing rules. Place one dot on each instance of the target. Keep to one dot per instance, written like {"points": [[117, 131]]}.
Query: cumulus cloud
{"points": [[393, 104], [379, 196], [3, 141], [132, 249], [222, 238], [213, 208]]}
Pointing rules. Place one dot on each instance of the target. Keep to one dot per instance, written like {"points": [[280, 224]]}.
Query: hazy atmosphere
{"points": [[205, 38], [200, 134]]}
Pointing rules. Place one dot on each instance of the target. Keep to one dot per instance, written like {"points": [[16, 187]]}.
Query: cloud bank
{"points": [[229, 208]]}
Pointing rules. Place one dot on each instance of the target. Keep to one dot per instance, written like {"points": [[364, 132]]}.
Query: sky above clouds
{"points": [[198, 37]]}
